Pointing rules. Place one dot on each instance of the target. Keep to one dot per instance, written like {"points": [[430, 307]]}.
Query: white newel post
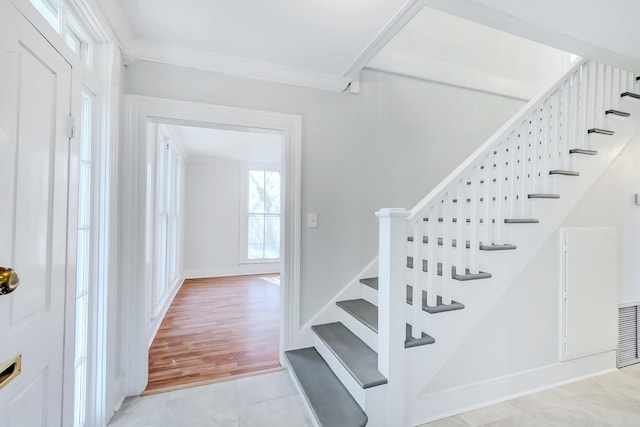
{"points": [[391, 305]]}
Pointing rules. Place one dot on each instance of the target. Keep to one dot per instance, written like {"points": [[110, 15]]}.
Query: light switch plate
{"points": [[312, 220]]}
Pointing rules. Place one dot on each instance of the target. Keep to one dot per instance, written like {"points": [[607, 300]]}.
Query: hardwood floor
{"points": [[217, 328]]}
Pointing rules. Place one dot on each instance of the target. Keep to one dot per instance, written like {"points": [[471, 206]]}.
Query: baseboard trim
{"points": [[243, 270], [157, 320], [469, 397]]}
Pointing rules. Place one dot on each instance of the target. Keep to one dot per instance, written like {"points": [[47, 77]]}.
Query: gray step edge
{"points": [[521, 221], [356, 356], [504, 247], [583, 151], [469, 276], [543, 196], [330, 401], [439, 307], [563, 172], [371, 282], [361, 310]]}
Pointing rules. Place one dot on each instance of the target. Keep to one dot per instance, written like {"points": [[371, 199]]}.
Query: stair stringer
{"points": [[451, 329]]}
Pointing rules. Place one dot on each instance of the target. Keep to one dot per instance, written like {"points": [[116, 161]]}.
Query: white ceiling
{"points": [[325, 43], [321, 43], [242, 145], [602, 30]]}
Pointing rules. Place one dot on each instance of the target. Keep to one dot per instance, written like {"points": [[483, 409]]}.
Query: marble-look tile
{"points": [[490, 414], [145, 411], [284, 411], [262, 387], [218, 386], [447, 422], [212, 408]]}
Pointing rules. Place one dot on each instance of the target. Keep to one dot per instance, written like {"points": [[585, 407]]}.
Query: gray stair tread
{"points": [[357, 357], [583, 151], [563, 172], [411, 342], [469, 276], [521, 221], [362, 310], [617, 113], [494, 247], [630, 94], [367, 313], [543, 196], [372, 282], [600, 131], [331, 403], [439, 307]]}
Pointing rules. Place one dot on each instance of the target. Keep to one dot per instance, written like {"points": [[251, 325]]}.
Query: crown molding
{"points": [[119, 25], [242, 67]]}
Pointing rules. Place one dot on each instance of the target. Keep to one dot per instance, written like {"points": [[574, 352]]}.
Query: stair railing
{"points": [[426, 247]]}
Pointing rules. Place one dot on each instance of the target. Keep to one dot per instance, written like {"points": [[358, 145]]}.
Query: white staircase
{"points": [[443, 265]]}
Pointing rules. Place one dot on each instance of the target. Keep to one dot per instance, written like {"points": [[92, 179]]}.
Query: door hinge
{"points": [[71, 127]]}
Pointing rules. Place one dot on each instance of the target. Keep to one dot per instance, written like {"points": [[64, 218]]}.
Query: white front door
{"points": [[35, 96]]}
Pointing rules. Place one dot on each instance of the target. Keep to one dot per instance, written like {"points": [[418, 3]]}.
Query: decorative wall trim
{"points": [[135, 256], [241, 67], [422, 68], [477, 395]]}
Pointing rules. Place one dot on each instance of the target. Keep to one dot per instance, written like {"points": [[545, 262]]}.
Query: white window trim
{"points": [[244, 212]]}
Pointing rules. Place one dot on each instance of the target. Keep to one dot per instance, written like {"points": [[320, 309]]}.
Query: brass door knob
{"points": [[9, 280]]}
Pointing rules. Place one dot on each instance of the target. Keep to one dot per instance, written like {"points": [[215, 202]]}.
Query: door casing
{"points": [[136, 255]]}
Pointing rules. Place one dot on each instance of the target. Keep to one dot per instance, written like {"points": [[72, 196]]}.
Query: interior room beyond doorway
{"points": [[218, 225]]}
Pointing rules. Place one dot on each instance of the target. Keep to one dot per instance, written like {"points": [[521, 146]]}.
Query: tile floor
{"points": [[268, 400], [607, 400], [272, 400]]}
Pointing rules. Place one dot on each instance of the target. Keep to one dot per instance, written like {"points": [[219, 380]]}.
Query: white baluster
{"points": [[572, 122], [616, 89], [447, 212], [460, 216], [418, 277], [432, 295], [497, 182], [474, 214]]}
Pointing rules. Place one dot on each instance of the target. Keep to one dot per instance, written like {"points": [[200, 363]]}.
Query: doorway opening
{"points": [[139, 227], [216, 291]]}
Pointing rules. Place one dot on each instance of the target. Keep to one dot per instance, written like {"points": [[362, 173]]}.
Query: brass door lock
{"points": [[9, 280]]}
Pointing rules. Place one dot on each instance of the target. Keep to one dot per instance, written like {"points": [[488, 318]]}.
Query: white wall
{"points": [[436, 45], [212, 220], [385, 147], [611, 203]]}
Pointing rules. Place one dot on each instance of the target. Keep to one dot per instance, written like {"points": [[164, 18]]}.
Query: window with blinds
{"points": [[628, 336]]}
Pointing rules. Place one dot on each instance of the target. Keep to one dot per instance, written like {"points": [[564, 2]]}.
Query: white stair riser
{"points": [[359, 329], [369, 294]]}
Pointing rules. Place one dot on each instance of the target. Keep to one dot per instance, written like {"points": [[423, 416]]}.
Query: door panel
{"points": [[35, 94]]}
